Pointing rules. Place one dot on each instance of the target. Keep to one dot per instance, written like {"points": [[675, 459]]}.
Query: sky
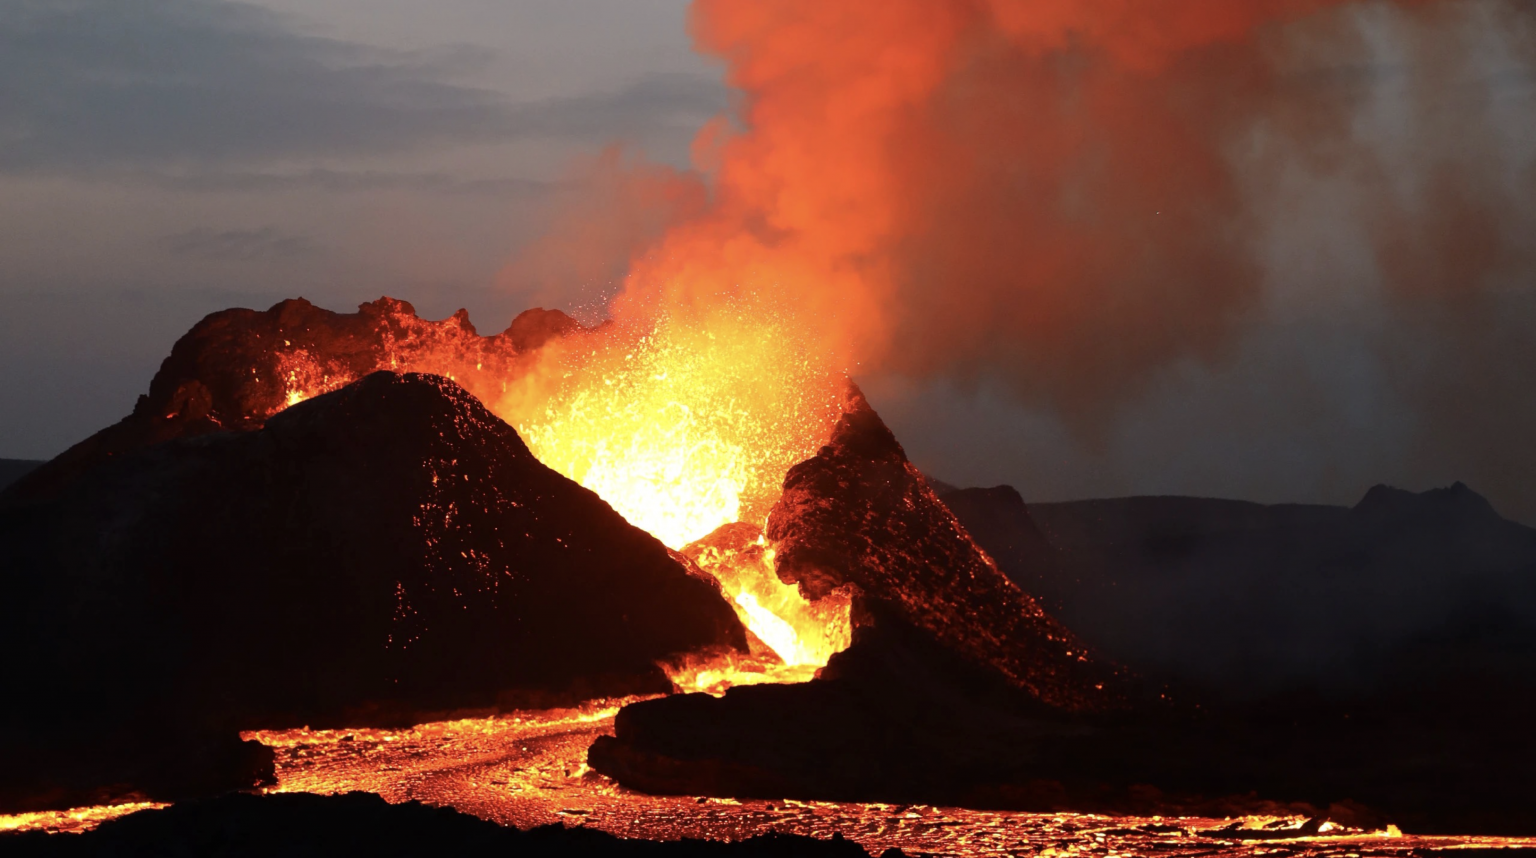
{"points": [[164, 159]]}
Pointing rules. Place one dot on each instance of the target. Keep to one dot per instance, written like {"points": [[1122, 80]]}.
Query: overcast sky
{"points": [[164, 159]]}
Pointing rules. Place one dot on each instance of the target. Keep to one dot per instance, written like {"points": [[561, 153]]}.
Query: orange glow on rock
{"points": [[686, 429], [680, 427], [793, 636], [684, 424]]}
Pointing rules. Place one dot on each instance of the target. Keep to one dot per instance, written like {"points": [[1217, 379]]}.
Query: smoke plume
{"points": [[1070, 196]]}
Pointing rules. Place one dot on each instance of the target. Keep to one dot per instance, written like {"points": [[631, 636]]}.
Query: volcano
{"points": [[380, 552], [289, 531], [236, 368], [338, 520], [951, 671]]}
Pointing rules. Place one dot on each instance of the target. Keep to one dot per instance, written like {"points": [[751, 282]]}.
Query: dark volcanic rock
{"points": [[1385, 653], [859, 515], [237, 368], [954, 681], [248, 826], [12, 470], [1401, 593], [384, 551], [895, 718], [999, 522], [958, 689]]}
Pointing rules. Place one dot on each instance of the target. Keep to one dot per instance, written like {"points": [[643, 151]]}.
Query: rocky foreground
{"points": [[388, 551], [943, 698], [374, 555], [248, 826]]}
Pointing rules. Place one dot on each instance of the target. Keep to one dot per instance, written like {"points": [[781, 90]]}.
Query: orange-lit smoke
{"points": [[1041, 189], [1056, 193], [681, 429]]}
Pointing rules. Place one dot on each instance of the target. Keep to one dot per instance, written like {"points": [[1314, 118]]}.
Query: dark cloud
{"points": [[267, 242], [102, 84], [654, 102], [98, 83], [344, 181]]}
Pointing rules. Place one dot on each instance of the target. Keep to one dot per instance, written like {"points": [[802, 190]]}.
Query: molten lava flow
{"points": [[793, 637], [527, 769], [686, 430], [74, 820], [304, 377], [683, 422]]}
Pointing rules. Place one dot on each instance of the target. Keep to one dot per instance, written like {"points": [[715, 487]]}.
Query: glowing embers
{"points": [[681, 427], [687, 427], [793, 637], [304, 377]]}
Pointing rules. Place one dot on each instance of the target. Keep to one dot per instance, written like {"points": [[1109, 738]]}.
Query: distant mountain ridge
{"points": [[12, 470], [1403, 588]]}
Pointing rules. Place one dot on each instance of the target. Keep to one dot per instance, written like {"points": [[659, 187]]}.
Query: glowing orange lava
{"points": [[304, 377], [681, 427], [684, 429], [793, 637], [73, 821], [683, 423], [529, 768]]}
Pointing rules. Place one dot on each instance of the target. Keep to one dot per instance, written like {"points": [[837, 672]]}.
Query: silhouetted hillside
{"points": [[1001, 524], [1431, 729], [12, 470], [383, 551], [1402, 590], [953, 677]]}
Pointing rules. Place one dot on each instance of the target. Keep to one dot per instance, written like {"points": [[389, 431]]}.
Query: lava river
{"points": [[527, 769]]}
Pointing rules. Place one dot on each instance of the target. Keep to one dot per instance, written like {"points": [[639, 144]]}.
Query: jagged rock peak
{"points": [[859, 515], [236, 368], [1456, 501]]}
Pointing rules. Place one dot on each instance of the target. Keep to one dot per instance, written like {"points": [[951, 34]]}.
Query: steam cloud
{"points": [[1069, 196]]}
